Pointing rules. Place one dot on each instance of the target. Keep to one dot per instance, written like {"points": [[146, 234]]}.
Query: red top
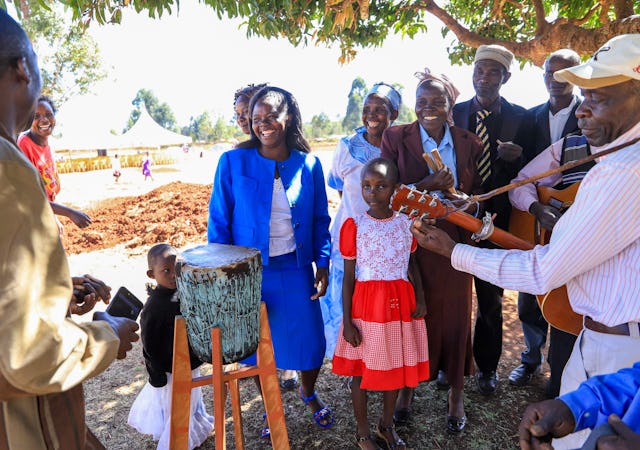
{"points": [[42, 159]]}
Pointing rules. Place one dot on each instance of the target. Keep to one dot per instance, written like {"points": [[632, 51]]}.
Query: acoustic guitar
{"points": [[524, 224], [555, 305]]}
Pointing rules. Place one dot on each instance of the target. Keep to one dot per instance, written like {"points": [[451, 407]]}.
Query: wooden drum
{"points": [[220, 286]]}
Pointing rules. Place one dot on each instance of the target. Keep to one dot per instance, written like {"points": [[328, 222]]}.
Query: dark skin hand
{"points": [[546, 215], [432, 238], [321, 282], [543, 421], [626, 438], [87, 291], [508, 151], [124, 328], [439, 181]]}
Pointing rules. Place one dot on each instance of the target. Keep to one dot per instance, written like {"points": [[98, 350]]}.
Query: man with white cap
{"points": [[595, 246], [496, 122]]}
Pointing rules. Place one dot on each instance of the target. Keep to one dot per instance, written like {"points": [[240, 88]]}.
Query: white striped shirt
{"points": [[594, 248]]}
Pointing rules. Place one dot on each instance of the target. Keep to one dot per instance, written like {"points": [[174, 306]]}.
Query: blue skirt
{"points": [[297, 329]]}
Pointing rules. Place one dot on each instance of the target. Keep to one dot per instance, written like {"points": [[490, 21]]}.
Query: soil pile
{"points": [[175, 213]]}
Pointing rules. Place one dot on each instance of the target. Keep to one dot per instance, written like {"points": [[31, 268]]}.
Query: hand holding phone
{"points": [[125, 304]]}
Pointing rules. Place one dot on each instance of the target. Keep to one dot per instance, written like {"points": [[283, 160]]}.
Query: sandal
{"points": [[362, 441], [289, 384], [324, 416], [265, 433], [395, 443]]}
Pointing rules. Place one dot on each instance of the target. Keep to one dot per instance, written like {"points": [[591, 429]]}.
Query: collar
{"points": [[565, 111], [495, 107], [428, 143], [633, 133]]}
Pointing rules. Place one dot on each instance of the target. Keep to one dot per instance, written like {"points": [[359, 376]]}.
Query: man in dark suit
{"points": [[546, 123], [496, 122]]}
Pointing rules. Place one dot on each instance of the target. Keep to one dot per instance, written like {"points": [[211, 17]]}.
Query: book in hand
{"points": [[125, 304]]}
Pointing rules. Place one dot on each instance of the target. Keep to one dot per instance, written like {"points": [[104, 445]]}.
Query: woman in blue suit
{"points": [[270, 194]]}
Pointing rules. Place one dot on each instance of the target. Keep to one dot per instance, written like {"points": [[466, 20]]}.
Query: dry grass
{"points": [[492, 421]]}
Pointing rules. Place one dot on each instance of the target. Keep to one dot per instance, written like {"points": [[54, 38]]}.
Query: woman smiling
{"points": [[447, 291]]}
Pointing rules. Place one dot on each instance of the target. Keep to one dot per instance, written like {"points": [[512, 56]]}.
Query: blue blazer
{"points": [[240, 205]]}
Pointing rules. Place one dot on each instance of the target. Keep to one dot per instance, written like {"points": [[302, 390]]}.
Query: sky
{"points": [[195, 62]]}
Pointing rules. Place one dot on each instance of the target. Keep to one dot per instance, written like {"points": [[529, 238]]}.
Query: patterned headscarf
{"points": [[389, 92], [451, 91]]}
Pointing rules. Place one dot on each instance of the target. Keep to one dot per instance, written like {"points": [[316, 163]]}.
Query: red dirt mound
{"points": [[175, 213]]}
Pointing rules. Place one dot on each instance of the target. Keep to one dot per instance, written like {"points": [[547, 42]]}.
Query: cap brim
{"points": [[585, 76]]}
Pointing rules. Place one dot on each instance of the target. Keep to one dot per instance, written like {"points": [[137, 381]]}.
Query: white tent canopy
{"points": [[146, 132]]}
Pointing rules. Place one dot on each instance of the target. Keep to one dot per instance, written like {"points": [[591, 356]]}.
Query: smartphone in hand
{"points": [[125, 304]]}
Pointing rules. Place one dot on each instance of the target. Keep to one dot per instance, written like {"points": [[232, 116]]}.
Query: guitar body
{"points": [[554, 305], [557, 310]]}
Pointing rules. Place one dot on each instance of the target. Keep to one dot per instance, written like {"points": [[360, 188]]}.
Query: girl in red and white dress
{"points": [[383, 339]]}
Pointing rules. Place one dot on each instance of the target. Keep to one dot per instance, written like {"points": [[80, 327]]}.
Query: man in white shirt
{"points": [[545, 124], [595, 246]]}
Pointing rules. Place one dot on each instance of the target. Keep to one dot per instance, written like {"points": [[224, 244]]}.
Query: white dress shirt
{"points": [[594, 248]]}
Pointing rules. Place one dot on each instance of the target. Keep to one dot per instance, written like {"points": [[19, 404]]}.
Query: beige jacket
{"points": [[43, 351]]}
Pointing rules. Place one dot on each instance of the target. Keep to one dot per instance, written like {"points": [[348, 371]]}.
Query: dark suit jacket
{"points": [[502, 172], [535, 136]]}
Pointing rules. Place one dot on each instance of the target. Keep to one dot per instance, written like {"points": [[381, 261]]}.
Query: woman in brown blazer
{"points": [[447, 291]]}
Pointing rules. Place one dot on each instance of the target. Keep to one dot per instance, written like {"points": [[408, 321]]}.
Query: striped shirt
{"points": [[594, 248]]}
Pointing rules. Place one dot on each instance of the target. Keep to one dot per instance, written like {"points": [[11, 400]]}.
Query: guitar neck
{"points": [[498, 237]]}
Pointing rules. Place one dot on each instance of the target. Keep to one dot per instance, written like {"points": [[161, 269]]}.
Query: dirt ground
{"points": [[172, 210]]}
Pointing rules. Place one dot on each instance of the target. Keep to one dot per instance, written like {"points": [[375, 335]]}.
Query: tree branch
{"points": [[587, 16], [554, 35]]}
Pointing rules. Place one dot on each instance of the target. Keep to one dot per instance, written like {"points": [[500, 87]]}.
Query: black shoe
{"points": [[522, 375], [487, 382], [442, 383], [456, 424]]}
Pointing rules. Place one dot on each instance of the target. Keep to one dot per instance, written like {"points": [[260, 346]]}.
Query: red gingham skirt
{"points": [[394, 352]]}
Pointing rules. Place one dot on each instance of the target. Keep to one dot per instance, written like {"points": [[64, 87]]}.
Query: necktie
{"points": [[484, 165]]}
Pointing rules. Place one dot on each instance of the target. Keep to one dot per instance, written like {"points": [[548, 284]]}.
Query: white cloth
{"points": [[522, 197], [594, 248], [614, 353], [151, 414], [384, 247], [558, 120], [281, 238]]}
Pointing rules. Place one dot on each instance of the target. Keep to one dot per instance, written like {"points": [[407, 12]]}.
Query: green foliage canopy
{"points": [[530, 28]]}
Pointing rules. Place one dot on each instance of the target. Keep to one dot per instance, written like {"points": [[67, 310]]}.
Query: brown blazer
{"points": [[447, 292], [403, 145]]}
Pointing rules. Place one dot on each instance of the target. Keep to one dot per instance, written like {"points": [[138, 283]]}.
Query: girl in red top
{"points": [[383, 339]]}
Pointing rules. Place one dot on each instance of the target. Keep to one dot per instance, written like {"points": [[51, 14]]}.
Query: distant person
{"points": [[35, 145], [608, 404], [269, 194], [45, 354], [380, 109], [151, 411], [241, 99], [147, 162], [117, 168], [383, 339], [496, 122]]}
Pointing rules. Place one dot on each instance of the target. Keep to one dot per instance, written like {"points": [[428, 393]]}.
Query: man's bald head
{"points": [[20, 80]]}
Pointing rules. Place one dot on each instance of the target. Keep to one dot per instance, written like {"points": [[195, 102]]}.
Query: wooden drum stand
{"points": [[183, 383]]}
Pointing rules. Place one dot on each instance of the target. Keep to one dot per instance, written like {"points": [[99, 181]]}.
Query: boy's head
{"points": [[162, 265]]}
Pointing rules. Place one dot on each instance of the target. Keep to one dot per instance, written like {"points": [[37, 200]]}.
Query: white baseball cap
{"points": [[615, 62]]}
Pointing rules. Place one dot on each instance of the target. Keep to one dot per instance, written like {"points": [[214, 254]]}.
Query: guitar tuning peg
{"points": [[433, 203], [411, 195], [414, 213], [423, 198], [425, 215], [403, 209]]}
